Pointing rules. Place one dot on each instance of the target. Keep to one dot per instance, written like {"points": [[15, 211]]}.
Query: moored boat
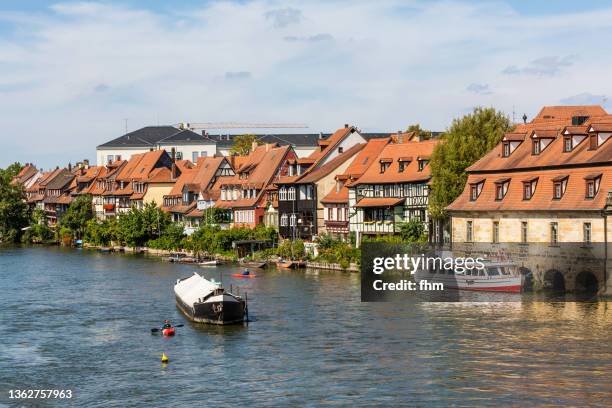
{"points": [[214, 262], [180, 257], [253, 264], [289, 264], [494, 277], [205, 301]]}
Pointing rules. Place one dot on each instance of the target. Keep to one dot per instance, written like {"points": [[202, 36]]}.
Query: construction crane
{"points": [[238, 125]]}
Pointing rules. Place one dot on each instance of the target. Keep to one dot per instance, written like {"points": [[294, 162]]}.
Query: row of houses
{"points": [[349, 183]]}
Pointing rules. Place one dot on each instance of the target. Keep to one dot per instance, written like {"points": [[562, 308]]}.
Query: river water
{"points": [[81, 320]]}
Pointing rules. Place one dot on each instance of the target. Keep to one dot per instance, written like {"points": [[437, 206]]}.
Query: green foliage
{"points": [[467, 140], [14, 212], [297, 249], [284, 249], [416, 128], [336, 251], [413, 231], [78, 214], [101, 232], [39, 231], [137, 227], [243, 144], [171, 238]]}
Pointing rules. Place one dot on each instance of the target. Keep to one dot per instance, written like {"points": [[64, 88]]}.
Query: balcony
{"points": [[336, 225], [109, 208]]}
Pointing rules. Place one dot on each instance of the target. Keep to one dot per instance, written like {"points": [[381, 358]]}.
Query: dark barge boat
{"points": [[203, 301]]}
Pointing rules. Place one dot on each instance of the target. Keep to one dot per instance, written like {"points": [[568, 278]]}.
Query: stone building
{"points": [[540, 198]]}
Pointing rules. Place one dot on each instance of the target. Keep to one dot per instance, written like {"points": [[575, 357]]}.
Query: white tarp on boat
{"points": [[194, 288]]}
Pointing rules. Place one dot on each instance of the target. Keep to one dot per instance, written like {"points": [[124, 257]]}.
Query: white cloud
{"points": [[71, 74]]}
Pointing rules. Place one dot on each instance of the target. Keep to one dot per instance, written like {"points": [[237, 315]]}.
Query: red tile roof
{"points": [[542, 199], [320, 172], [565, 113], [393, 152]]}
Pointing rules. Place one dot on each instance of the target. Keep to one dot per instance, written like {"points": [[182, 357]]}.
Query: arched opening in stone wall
{"points": [[586, 282], [554, 280], [527, 279]]}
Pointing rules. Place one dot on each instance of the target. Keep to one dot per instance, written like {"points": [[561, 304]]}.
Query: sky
{"points": [[73, 74]]}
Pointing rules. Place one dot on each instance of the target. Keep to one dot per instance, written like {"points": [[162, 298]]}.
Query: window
{"points": [[340, 149], [194, 157], [109, 158], [567, 144], [592, 185], [292, 220], [501, 189], [309, 190], [586, 228], [469, 231], [529, 189], [203, 154], [282, 194], [558, 190], [554, 233], [536, 147], [422, 164], [402, 166], [291, 194], [475, 190], [524, 230], [506, 149], [377, 214], [495, 232], [179, 155], [384, 166], [283, 220]]}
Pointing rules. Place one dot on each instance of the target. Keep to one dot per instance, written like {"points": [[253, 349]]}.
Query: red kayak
{"points": [[239, 275], [168, 332]]}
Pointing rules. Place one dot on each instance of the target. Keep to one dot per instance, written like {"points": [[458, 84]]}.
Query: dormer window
{"points": [[384, 165], [506, 149], [529, 187], [501, 188], [536, 147], [476, 189], [340, 150], [567, 144], [422, 164], [559, 186], [592, 185]]}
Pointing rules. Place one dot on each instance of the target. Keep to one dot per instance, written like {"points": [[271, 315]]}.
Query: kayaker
{"points": [[166, 325], [246, 272]]}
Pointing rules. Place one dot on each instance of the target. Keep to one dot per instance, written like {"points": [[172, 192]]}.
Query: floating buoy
{"points": [[165, 358]]}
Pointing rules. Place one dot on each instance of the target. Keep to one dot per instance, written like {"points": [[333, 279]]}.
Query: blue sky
{"points": [[72, 72]]}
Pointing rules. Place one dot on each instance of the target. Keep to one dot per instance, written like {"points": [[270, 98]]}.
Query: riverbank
{"points": [[88, 316]]}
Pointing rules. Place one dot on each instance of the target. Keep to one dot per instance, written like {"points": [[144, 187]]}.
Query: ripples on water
{"points": [[81, 320]]}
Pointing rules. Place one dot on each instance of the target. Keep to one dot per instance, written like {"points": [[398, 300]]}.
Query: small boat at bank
{"points": [[205, 301], [214, 262], [105, 249], [179, 257], [289, 264], [253, 264], [494, 277]]}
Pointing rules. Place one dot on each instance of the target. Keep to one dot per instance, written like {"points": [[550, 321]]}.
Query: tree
{"points": [[79, 212], [467, 140], [243, 144], [416, 128], [14, 212], [137, 227], [413, 231]]}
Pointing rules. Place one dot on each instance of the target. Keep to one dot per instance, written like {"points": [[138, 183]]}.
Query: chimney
{"points": [[69, 166], [320, 135], [86, 163], [267, 147], [346, 125], [524, 118], [173, 168], [254, 145]]}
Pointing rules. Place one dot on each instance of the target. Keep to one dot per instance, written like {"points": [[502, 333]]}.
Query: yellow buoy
{"points": [[165, 358]]}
